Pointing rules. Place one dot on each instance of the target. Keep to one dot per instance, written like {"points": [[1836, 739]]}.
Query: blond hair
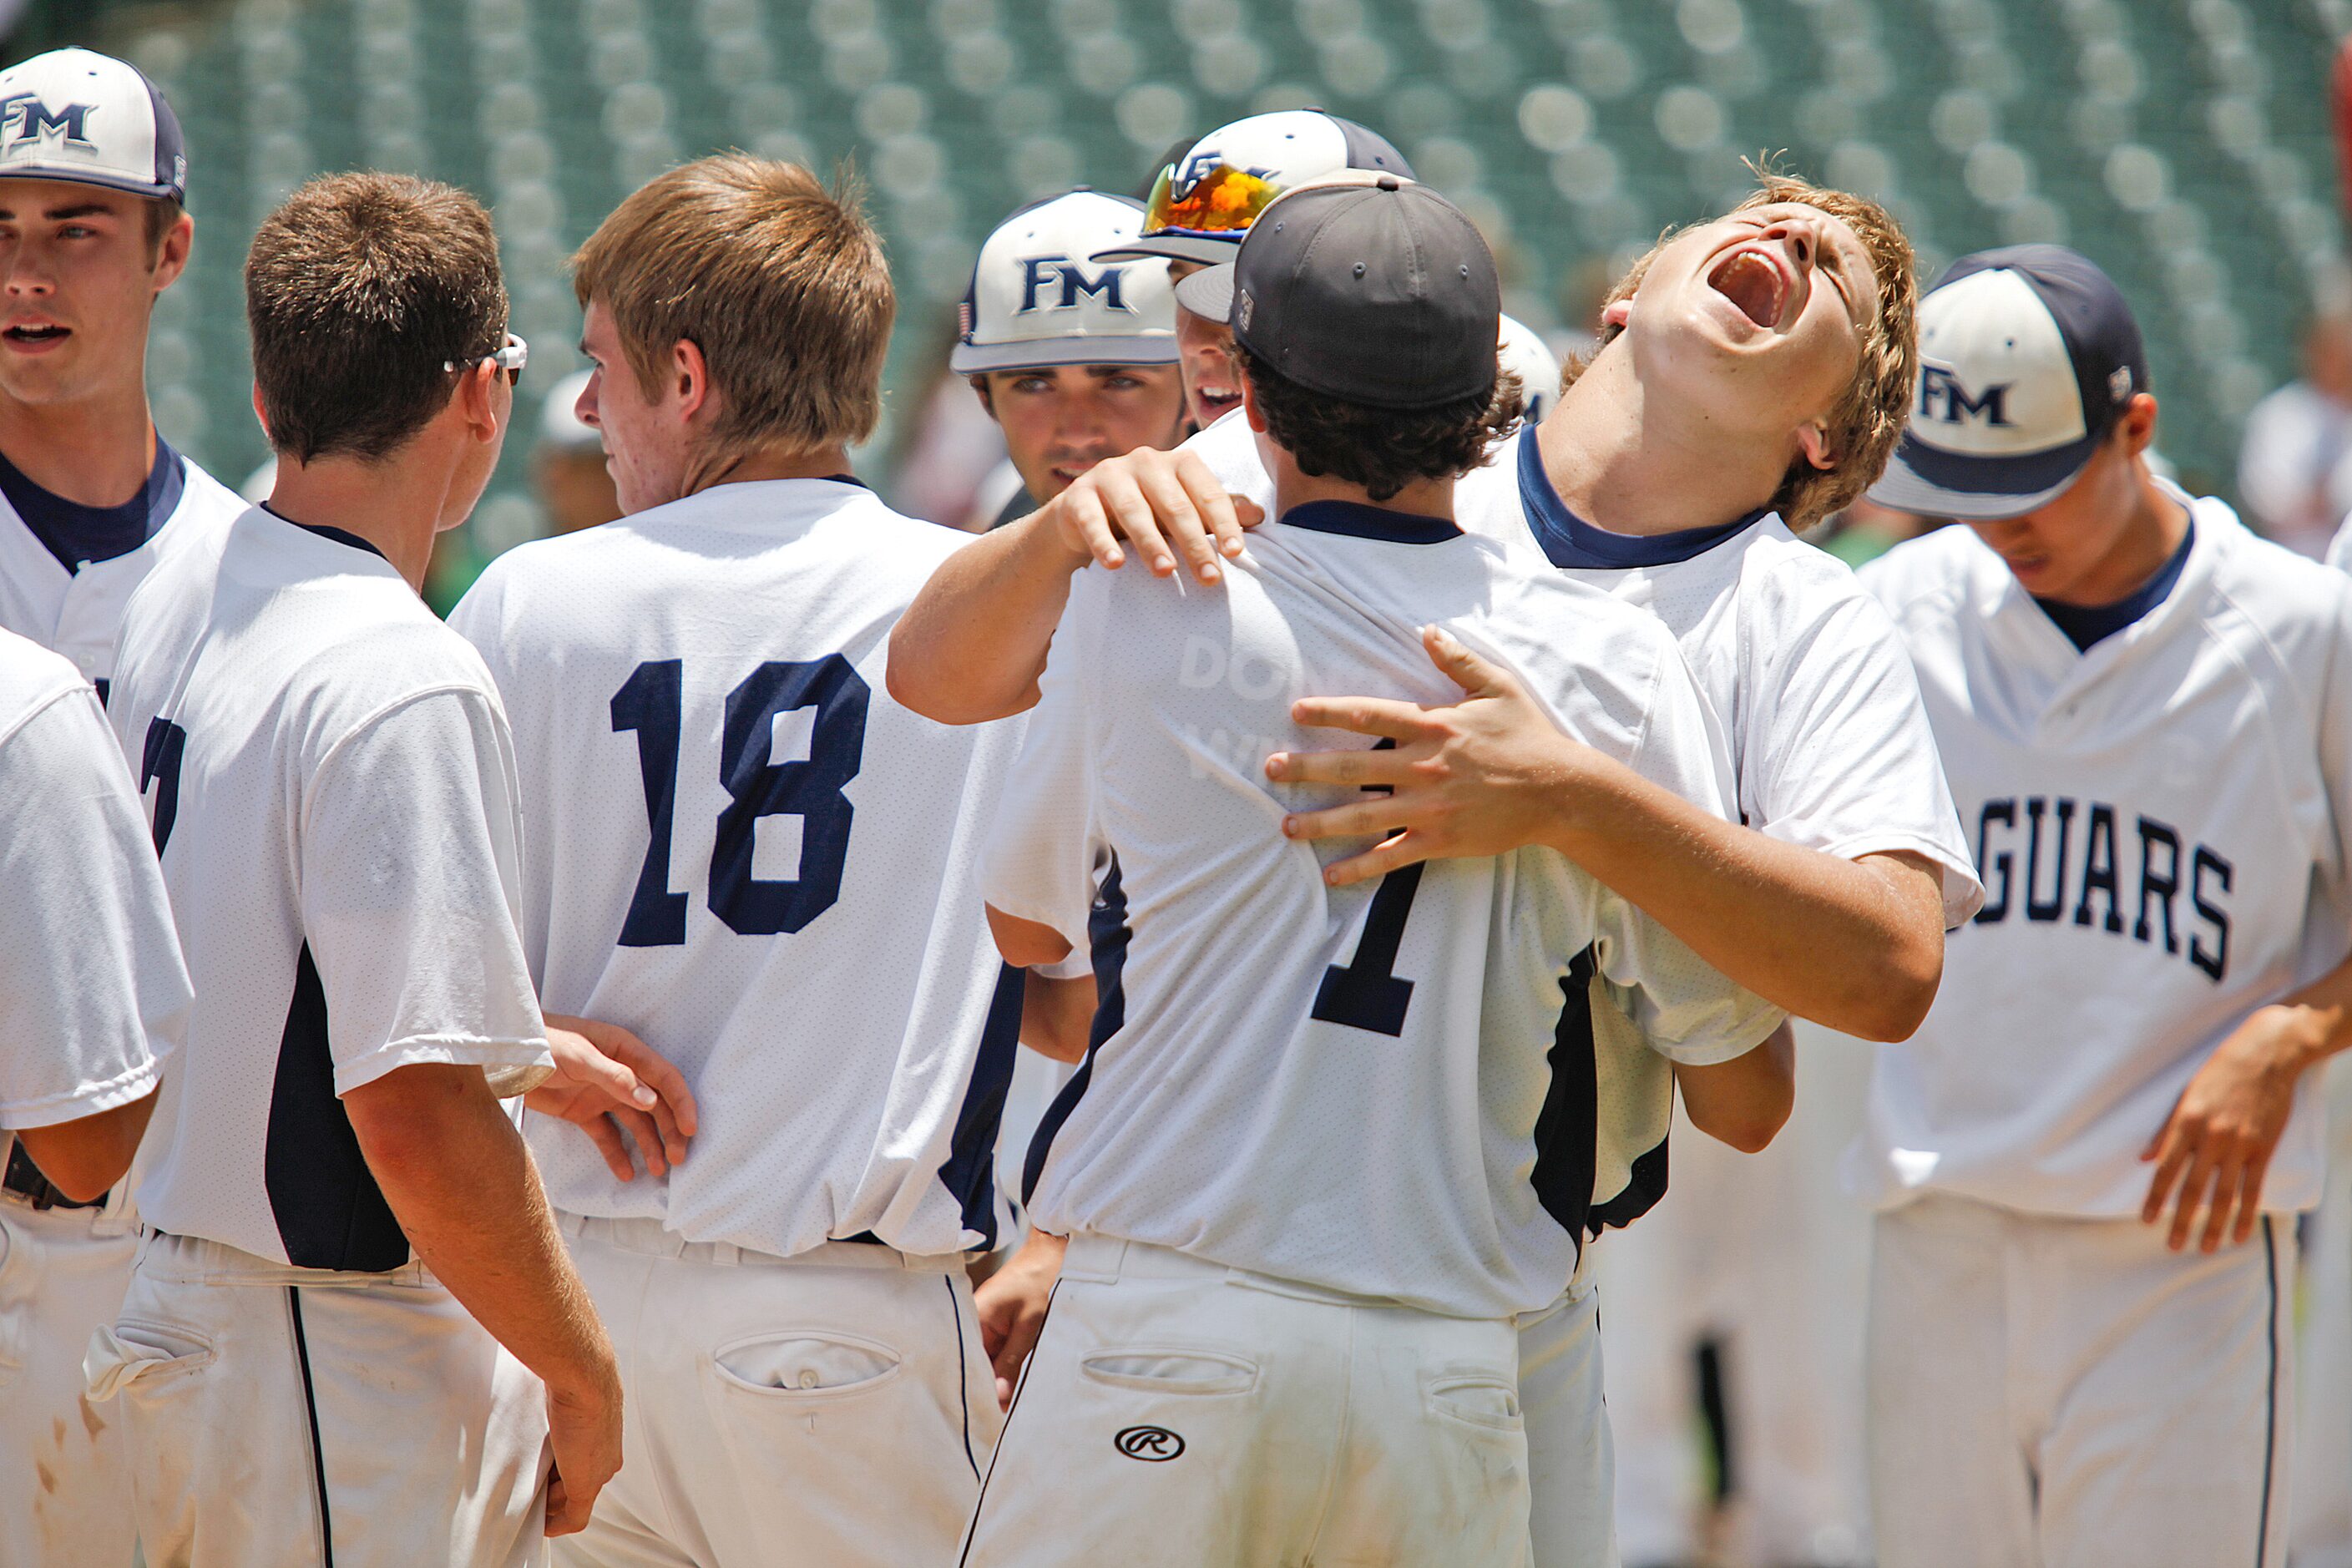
{"points": [[1868, 418], [779, 281]]}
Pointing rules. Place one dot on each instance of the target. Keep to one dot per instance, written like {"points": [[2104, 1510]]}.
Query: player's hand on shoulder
{"points": [[1010, 1306], [2216, 1146], [1480, 777], [618, 1090], [1163, 504]]}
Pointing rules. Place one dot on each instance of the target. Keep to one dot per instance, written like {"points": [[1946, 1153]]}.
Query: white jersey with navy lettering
{"points": [[78, 612], [741, 847], [332, 788], [92, 993], [2163, 821], [1819, 710], [1422, 1089]]}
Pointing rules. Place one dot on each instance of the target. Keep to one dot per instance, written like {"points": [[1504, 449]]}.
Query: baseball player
{"points": [[728, 824], [92, 173], [2085, 1161], [1075, 360], [331, 786], [1239, 1381], [1691, 394]]}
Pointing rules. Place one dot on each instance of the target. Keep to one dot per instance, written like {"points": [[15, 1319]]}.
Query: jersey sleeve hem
{"points": [[89, 1099], [520, 1057], [1728, 1045]]}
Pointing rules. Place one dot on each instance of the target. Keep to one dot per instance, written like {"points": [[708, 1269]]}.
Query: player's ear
{"points": [[690, 375], [260, 412], [172, 254], [1814, 441], [2136, 426], [1617, 313], [1250, 410]]}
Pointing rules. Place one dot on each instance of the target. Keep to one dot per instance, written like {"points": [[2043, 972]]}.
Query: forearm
{"points": [[1745, 1102], [1854, 945], [461, 1183], [971, 646], [2315, 1021], [83, 1158]]}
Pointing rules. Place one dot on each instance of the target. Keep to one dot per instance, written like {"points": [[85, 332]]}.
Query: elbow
{"points": [[914, 684], [1752, 1129], [1898, 1001]]}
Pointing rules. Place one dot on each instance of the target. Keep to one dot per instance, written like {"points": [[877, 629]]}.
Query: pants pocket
{"points": [[1170, 1369], [141, 1357], [811, 1365], [1485, 1400]]}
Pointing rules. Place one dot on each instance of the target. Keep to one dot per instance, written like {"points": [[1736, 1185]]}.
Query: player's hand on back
{"points": [[608, 1082], [1481, 777], [1163, 504], [2217, 1144], [1010, 1306]]}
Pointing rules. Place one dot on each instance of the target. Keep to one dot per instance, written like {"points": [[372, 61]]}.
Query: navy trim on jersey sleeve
{"points": [[2088, 626], [970, 1171], [330, 1212], [77, 534], [1108, 934], [1359, 522], [1571, 542]]}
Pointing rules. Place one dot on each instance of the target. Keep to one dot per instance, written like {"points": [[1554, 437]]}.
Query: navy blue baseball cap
{"points": [[89, 119], [2027, 356]]}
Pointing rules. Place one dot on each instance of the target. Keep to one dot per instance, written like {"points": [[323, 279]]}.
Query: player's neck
{"points": [[2158, 525], [395, 505], [1625, 461], [760, 463], [94, 451], [1422, 498]]}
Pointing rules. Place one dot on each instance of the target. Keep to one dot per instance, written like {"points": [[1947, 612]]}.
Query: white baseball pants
{"points": [[1181, 1415], [272, 1411], [830, 1410], [2059, 1393], [63, 1471], [1570, 1458]]}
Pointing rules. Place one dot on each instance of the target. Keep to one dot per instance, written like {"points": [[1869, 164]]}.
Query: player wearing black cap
{"points": [[1327, 1144]]}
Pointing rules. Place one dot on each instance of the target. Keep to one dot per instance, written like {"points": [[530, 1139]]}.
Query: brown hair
{"points": [[357, 290], [780, 282], [1383, 449], [1867, 421], [162, 214]]}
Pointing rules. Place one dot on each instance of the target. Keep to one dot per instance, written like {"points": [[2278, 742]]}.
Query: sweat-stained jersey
{"points": [[737, 845], [2163, 823], [331, 784], [1422, 1089], [93, 996], [1827, 742]]}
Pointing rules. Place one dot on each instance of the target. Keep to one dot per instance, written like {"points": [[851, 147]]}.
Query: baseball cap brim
{"points": [[1923, 480], [1048, 353], [1171, 247], [1209, 293], [74, 175]]}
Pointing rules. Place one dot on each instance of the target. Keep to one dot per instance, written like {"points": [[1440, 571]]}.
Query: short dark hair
{"points": [[163, 213], [358, 289], [1383, 449]]}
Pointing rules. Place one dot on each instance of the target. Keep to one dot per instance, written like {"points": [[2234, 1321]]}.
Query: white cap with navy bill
{"points": [[2027, 357], [1039, 298], [1201, 207], [91, 120]]}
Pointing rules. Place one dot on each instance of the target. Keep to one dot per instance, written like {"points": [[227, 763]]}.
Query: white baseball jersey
{"points": [[2339, 549], [1818, 708], [332, 788], [2162, 821], [741, 847], [78, 613], [1421, 1089], [92, 993]]}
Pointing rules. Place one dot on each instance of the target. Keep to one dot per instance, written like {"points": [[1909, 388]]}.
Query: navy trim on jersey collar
{"points": [[1358, 520], [848, 479], [2087, 626], [1570, 541], [338, 535], [78, 534]]}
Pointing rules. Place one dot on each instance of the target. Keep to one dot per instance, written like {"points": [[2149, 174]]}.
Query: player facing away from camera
{"points": [[1831, 897], [736, 838], [92, 171], [1074, 359], [2087, 1162], [1330, 1143], [331, 786]]}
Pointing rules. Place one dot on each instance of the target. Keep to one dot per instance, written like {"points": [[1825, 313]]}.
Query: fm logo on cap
{"points": [[1039, 272], [32, 118], [1938, 384]]}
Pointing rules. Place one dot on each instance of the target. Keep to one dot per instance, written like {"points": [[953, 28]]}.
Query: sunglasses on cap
{"points": [[510, 357], [1225, 200]]}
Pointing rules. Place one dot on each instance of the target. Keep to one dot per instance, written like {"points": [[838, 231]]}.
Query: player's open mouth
{"points": [[30, 336], [1216, 400], [1749, 279]]}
